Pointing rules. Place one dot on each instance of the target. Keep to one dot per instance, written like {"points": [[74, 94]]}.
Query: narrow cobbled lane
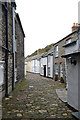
{"points": [[35, 97]]}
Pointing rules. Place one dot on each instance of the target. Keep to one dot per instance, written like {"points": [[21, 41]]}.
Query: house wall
{"points": [[41, 66], [73, 73], [9, 46], [28, 66], [20, 51], [43, 62], [73, 47], [32, 66], [0, 32], [59, 60], [36, 66], [72, 80], [50, 66]]}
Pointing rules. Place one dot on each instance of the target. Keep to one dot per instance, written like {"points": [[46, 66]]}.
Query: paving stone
{"points": [[28, 105], [54, 105], [15, 111], [38, 107], [6, 98], [9, 112], [42, 111], [69, 110], [10, 96], [30, 86], [42, 98], [19, 115], [64, 114]]}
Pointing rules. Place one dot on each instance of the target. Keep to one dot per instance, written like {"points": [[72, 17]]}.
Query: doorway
{"points": [[44, 70]]}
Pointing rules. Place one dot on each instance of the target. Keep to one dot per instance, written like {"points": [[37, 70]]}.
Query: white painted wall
{"points": [[1, 73], [32, 66], [50, 65], [71, 49], [35, 66], [43, 62], [72, 78], [41, 66]]}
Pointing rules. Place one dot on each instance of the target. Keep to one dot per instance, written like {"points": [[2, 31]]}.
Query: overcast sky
{"points": [[46, 21]]}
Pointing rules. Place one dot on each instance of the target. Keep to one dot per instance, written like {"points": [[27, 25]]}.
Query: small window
{"points": [[56, 69], [48, 70], [68, 41], [56, 51]]}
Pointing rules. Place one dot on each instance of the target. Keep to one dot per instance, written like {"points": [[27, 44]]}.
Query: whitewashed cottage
{"points": [[35, 64], [72, 55], [46, 64]]}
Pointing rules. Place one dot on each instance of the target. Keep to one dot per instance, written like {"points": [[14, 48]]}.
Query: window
{"points": [[68, 41], [56, 69], [48, 70], [56, 51]]}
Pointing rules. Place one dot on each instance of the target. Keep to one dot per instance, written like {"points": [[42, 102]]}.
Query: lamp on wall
{"points": [[72, 60]]}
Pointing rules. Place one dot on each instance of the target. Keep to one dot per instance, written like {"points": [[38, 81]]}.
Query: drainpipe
{"points": [[6, 60], [13, 37], [47, 66]]}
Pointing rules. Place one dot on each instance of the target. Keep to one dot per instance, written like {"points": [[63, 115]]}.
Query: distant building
{"points": [[46, 64]]}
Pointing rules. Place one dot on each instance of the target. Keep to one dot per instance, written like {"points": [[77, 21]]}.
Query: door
{"points": [[44, 70], [61, 70]]}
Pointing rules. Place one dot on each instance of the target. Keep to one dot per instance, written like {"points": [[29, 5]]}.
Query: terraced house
{"points": [[72, 55], [11, 47], [59, 65]]}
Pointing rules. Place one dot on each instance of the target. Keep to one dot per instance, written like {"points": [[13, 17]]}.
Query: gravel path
{"points": [[35, 97]]}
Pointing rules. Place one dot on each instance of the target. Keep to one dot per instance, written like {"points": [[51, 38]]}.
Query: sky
{"points": [[46, 21]]}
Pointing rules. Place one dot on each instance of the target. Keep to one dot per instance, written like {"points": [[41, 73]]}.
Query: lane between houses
{"points": [[35, 97]]}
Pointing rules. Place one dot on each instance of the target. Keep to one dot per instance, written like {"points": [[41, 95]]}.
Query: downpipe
{"points": [[6, 60], [13, 37]]}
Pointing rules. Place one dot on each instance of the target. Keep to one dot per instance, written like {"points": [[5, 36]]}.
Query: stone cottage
{"points": [[59, 63], [11, 47]]}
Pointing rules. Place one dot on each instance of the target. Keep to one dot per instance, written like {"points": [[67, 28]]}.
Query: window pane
{"points": [[68, 41]]}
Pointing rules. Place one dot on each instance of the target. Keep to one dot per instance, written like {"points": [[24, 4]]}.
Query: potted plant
{"points": [[61, 80], [56, 77]]}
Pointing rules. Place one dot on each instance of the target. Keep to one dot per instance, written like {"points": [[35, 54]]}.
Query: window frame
{"points": [[56, 51]]}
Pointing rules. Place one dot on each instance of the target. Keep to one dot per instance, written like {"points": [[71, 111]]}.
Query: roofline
{"points": [[17, 15], [66, 37]]}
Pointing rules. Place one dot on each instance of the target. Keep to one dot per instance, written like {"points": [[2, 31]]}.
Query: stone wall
{"points": [[59, 60], [9, 45], [0, 31], [20, 51], [19, 43]]}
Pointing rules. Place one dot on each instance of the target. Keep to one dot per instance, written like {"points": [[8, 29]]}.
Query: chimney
{"points": [[38, 51], [75, 27]]}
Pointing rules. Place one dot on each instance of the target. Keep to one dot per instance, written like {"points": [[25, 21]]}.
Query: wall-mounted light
{"points": [[72, 60]]}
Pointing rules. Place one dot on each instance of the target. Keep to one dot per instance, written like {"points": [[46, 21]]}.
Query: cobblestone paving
{"points": [[35, 97]]}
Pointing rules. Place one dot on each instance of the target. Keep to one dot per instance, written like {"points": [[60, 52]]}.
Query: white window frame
{"points": [[56, 68], [68, 41], [56, 50]]}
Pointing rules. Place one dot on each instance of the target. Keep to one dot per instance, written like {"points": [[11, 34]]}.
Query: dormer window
{"points": [[56, 51], [68, 41]]}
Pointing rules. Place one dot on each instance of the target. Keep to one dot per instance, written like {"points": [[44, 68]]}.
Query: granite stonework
{"points": [[59, 60], [20, 47]]}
